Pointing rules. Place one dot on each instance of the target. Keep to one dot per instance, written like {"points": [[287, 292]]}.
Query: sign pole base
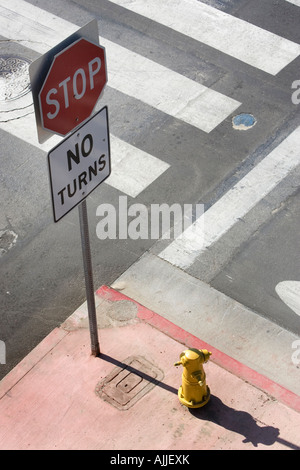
{"points": [[88, 274]]}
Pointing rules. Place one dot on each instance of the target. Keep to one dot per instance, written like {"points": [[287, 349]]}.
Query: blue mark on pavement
{"points": [[243, 121]]}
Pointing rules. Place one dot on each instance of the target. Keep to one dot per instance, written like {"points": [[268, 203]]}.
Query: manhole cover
{"points": [[124, 386], [243, 122], [14, 78]]}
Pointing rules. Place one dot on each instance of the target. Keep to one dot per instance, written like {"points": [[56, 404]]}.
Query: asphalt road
{"points": [[169, 146]]}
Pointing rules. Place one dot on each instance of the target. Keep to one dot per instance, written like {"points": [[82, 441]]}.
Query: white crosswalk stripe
{"points": [[132, 169], [177, 112], [130, 175], [233, 36], [128, 72], [235, 204], [295, 2], [153, 84]]}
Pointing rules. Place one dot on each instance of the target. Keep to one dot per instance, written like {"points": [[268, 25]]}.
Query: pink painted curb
{"points": [[223, 360]]}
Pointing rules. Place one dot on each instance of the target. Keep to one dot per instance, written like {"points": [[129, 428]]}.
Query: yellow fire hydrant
{"points": [[193, 392]]}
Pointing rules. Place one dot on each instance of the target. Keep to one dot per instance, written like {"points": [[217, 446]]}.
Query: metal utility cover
{"points": [[124, 386]]}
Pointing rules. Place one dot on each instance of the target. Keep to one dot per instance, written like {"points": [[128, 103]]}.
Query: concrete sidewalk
{"points": [[61, 397]]}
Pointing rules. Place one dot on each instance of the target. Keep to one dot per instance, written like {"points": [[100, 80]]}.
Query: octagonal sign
{"points": [[72, 86]]}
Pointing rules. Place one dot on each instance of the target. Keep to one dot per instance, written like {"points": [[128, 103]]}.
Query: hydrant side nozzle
{"points": [[206, 354], [179, 363]]}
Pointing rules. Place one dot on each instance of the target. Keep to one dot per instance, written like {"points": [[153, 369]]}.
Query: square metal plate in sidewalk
{"points": [[124, 386]]}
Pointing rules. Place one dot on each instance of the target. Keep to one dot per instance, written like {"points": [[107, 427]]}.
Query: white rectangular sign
{"points": [[79, 163]]}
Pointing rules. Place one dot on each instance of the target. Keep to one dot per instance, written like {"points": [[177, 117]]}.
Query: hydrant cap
{"points": [[192, 354]]}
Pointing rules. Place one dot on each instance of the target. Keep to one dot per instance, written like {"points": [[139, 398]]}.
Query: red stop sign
{"points": [[72, 87]]}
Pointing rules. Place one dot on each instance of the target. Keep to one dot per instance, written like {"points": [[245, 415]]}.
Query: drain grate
{"points": [[14, 77], [124, 386]]}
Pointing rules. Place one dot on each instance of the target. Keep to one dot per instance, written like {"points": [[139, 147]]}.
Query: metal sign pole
{"points": [[88, 273]]}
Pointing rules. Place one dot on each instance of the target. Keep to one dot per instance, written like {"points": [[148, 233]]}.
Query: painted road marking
{"points": [[294, 2], [154, 84], [289, 292], [233, 36], [235, 204], [133, 170]]}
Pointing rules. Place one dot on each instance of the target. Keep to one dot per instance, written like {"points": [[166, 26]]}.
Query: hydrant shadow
{"points": [[239, 422]]}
